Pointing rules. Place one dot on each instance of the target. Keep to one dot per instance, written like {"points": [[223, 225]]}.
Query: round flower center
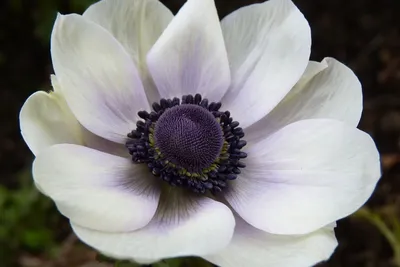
{"points": [[189, 136], [189, 144]]}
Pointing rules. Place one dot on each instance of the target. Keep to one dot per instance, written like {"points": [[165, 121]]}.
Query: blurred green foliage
{"points": [[27, 221], [387, 224]]}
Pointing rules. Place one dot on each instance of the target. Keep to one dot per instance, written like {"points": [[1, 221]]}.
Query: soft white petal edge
{"points": [[327, 90], [190, 56], [256, 248], [86, 137], [45, 120], [203, 229], [96, 189], [97, 77], [268, 48], [136, 25], [305, 176]]}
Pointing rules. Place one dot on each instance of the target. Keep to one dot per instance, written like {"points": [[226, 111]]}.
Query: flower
{"points": [[139, 144]]}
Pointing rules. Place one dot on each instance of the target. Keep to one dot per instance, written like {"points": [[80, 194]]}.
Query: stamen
{"points": [[190, 144]]}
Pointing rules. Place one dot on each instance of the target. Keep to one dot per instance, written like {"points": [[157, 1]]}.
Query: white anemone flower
{"points": [[139, 143]]}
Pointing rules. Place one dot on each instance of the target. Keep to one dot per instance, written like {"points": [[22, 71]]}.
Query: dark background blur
{"points": [[364, 34]]}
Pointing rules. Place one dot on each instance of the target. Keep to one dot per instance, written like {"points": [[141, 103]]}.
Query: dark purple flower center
{"points": [[190, 144], [189, 136]]}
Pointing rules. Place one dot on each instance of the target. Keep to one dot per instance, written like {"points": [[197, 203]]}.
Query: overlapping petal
{"points": [[182, 226], [256, 248], [190, 55], [97, 77], [45, 120], [96, 142], [305, 176], [327, 90], [96, 189], [268, 47], [136, 24]]}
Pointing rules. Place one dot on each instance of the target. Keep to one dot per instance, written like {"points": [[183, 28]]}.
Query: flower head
{"points": [[169, 136]]}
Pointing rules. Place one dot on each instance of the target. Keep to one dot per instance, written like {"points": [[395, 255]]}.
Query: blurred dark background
{"points": [[364, 34]]}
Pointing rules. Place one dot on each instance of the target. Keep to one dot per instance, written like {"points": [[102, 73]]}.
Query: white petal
{"points": [[97, 77], [96, 142], [268, 47], [56, 85], [305, 176], [327, 90], [46, 120], [180, 228], [313, 68], [190, 55], [145, 261], [95, 189], [84, 136], [137, 26], [255, 248]]}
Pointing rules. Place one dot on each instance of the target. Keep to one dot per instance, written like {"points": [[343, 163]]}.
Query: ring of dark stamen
{"points": [[144, 148]]}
